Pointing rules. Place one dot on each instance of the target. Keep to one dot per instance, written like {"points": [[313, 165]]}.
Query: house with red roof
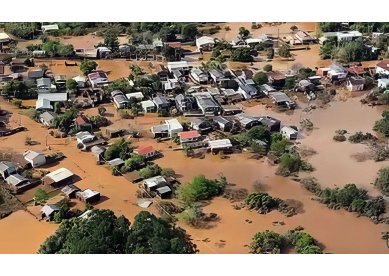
{"points": [[98, 78], [189, 136], [382, 67], [146, 151]]}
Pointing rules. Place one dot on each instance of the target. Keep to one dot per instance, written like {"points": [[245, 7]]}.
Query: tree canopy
{"points": [[382, 180], [104, 233], [87, 66], [382, 125], [260, 78]]}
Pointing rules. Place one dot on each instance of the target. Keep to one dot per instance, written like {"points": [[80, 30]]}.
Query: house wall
{"points": [[38, 161], [380, 70]]}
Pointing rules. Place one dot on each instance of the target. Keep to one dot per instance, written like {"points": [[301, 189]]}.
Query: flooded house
{"points": [[98, 78], [189, 136], [383, 83], [223, 124], [48, 211], [119, 99], [207, 103], [88, 196], [304, 37], [17, 183], [289, 132], [135, 95], [248, 91], [35, 73], [47, 118], [180, 66], [205, 43], [266, 89], [272, 124], [246, 121], [58, 177], [70, 190], [82, 123], [218, 77], [116, 162], [44, 85], [168, 129], [7, 168], [305, 86], [35, 159], [337, 72], [231, 95], [46, 101], [201, 125], [98, 152], [199, 76], [147, 152], [276, 79], [164, 192], [281, 99], [219, 145], [382, 68], [151, 184], [355, 83], [161, 103], [86, 140], [148, 106], [185, 103], [81, 81]]}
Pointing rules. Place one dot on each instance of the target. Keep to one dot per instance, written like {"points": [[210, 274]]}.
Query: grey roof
{"points": [[216, 73], [116, 92], [15, 179], [205, 99], [30, 154], [120, 98], [160, 128], [244, 119], [116, 162], [35, 73], [164, 190], [48, 116], [48, 209], [5, 165], [248, 88], [54, 97], [269, 121], [160, 100], [97, 150], [267, 88], [221, 120], [70, 189], [43, 82], [280, 97]]}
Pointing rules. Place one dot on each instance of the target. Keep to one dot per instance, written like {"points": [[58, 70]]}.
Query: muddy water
{"points": [[21, 233], [339, 231]]}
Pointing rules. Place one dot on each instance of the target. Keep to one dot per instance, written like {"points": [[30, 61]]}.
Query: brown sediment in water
{"points": [[338, 230]]}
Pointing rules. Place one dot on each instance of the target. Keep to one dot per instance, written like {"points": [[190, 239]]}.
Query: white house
{"points": [[49, 28], [199, 76], [47, 118], [289, 133], [178, 65], [36, 159], [148, 106], [355, 83], [205, 43], [136, 95], [173, 126], [81, 80], [383, 83], [382, 67]]}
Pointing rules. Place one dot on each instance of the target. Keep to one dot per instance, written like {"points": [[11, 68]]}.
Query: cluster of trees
{"points": [[25, 30], [104, 233], [348, 51], [270, 242], [243, 54], [54, 48], [150, 171], [349, 197], [382, 180], [260, 78], [382, 125], [291, 162], [360, 137], [257, 138], [201, 188], [65, 121], [16, 88], [120, 149], [98, 121], [284, 51]]}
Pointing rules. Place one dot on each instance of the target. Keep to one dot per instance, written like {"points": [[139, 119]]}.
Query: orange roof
{"points": [[143, 150], [189, 134]]}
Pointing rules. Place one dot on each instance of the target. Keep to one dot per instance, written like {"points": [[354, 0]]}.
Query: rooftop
{"points": [[189, 134], [173, 124], [219, 144], [384, 64], [88, 193], [30, 154], [60, 174], [143, 150]]}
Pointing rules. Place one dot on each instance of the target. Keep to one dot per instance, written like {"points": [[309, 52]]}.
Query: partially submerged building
{"points": [[88, 196], [17, 183], [220, 145], [58, 177], [168, 129], [289, 132], [189, 136], [7, 168], [147, 152], [70, 190], [35, 159], [207, 103], [48, 211]]}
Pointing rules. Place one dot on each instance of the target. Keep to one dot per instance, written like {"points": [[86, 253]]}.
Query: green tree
{"points": [[150, 171], [135, 162], [200, 188], [189, 31], [40, 196], [15, 88], [267, 242], [284, 51], [71, 84], [382, 125], [244, 33], [259, 133], [120, 149], [65, 121], [280, 147], [111, 41], [87, 66], [268, 68], [99, 121], [290, 162], [168, 172], [260, 78], [242, 54], [382, 180]]}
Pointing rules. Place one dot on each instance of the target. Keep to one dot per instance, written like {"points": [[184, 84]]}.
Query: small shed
{"points": [[7, 168], [223, 123], [88, 196], [117, 162], [270, 123], [151, 184], [18, 183], [36, 159], [58, 177], [148, 106], [70, 190], [48, 211], [222, 144], [47, 118], [164, 192], [98, 151], [289, 132], [200, 124]]}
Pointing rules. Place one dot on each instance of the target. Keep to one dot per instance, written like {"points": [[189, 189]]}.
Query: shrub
{"points": [[268, 68], [40, 196], [17, 103], [382, 180], [267, 242], [339, 138], [311, 184], [150, 171]]}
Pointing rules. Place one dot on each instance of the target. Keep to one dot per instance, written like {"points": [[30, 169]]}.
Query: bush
{"points": [[120, 149], [267, 242], [304, 243], [382, 180], [359, 137], [99, 121], [382, 125], [260, 78], [262, 202], [279, 147], [168, 172], [150, 171], [242, 55], [268, 68], [125, 114], [201, 188], [339, 138], [284, 51], [311, 184], [290, 162], [191, 215], [87, 66], [40, 196], [17, 103]]}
